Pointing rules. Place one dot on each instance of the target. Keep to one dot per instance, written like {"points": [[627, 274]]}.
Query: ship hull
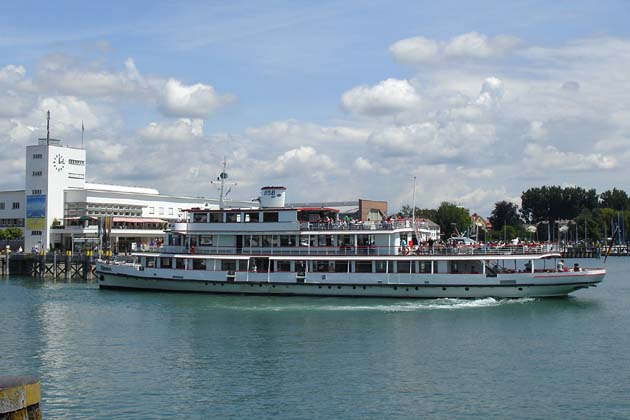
{"points": [[530, 286]]}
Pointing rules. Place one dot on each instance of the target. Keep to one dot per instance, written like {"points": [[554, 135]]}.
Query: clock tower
{"points": [[51, 169]]}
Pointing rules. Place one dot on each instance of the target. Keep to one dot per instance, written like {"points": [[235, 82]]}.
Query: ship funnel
{"points": [[272, 196]]}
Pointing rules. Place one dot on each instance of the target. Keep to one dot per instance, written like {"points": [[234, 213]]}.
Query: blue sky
{"points": [[336, 100]]}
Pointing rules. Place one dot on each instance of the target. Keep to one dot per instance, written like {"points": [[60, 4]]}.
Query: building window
{"points": [[161, 210], [37, 155], [16, 205], [170, 211], [36, 192], [1, 206], [36, 233], [37, 173], [151, 210]]}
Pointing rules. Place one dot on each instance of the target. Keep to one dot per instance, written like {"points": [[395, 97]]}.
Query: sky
{"points": [[336, 100]]}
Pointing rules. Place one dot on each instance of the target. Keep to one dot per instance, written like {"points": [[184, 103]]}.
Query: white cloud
{"points": [[477, 45], [67, 76], [549, 157], [417, 50], [475, 173], [389, 97], [299, 159], [12, 74], [181, 130], [432, 142], [296, 132], [491, 92], [193, 101], [537, 131]]}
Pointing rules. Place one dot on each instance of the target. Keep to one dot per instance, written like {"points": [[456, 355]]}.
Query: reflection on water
{"points": [[134, 355]]}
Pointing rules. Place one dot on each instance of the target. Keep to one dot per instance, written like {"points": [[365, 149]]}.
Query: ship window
{"points": [[205, 240], [216, 218], [254, 241], [200, 217], [266, 241], [341, 266], [166, 263], [232, 217], [284, 265], [180, 263], [404, 267], [381, 266], [198, 264], [270, 217], [363, 267], [322, 266], [150, 262], [228, 265], [287, 240], [252, 217]]}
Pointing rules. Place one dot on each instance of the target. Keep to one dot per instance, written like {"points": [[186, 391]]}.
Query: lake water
{"points": [[145, 355]]}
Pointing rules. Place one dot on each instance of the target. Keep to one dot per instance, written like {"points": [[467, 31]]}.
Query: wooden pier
{"points": [[49, 265], [581, 252]]}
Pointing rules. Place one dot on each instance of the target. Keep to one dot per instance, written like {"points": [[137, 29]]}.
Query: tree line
{"points": [[546, 213]]}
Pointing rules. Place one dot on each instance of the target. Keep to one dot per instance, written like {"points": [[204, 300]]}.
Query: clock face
{"points": [[59, 163]]}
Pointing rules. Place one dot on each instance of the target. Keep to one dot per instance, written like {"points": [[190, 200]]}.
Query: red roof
{"points": [[318, 209]]}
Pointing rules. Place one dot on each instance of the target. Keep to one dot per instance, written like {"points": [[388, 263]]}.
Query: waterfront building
{"points": [[58, 209]]}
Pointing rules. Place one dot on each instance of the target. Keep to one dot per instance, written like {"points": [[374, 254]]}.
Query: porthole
{"points": [[395, 287], [338, 287], [364, 287], [520, 288], [251, 285], [416, 287], [319, 287], [354, 287], [443, 288], [330, 287], [466, 289], [260, 285], [406, 289], [273, 285]]}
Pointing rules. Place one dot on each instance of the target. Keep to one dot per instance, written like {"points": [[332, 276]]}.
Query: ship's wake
{"points": [[379, 306]]}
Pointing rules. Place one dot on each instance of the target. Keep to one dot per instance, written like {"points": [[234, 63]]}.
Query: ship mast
{"points": [[222, 177]]}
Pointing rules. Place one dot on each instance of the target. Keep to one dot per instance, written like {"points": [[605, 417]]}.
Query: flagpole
{"points": [[413, 209], [82, 132]]}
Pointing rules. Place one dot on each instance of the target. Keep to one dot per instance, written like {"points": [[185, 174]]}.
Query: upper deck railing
{"points": [[362, 225], [437, 250]]}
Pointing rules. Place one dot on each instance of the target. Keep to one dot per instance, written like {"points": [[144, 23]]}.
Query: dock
{"points": [[49, 265]]}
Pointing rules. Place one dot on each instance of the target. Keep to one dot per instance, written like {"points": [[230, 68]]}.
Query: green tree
{"points": [[452, 218], [505, 213], [615, 199], [405, 211], [11, 233]]}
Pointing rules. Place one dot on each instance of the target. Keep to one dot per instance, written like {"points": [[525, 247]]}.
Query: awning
{"points": [[137, 220]]}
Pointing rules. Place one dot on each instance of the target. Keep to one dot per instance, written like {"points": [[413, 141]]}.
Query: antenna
{"points": [[221, 178], [82, 132], [48, 127]]}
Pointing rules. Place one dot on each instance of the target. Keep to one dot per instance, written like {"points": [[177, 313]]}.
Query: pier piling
{"points": [[20, 398]]}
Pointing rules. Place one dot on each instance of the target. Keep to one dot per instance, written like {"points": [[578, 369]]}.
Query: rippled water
{"points": [[142, 355]]}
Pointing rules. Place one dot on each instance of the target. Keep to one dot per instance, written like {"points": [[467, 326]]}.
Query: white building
{"points": [[59, 209]]}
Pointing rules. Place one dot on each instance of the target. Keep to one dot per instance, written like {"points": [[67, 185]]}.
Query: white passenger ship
{"points": [[278, 250]]}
